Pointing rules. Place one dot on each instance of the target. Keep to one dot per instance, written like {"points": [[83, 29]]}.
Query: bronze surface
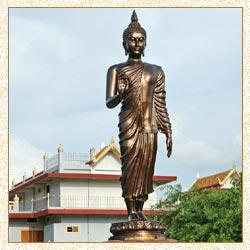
{"points": [[140, 89], [137, 231]]}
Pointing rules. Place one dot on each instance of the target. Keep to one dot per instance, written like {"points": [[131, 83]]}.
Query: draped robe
{"points": [[143, 113]]}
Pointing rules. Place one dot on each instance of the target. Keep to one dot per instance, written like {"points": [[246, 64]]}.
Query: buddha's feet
{"points": [[133, 217], [142, 216]]}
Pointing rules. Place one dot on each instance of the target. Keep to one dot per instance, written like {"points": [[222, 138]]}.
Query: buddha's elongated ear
{"points": [[143, 52], [125, 48]]}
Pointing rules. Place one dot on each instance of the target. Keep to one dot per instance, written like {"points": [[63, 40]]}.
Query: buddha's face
{"points": [[135, 44]]}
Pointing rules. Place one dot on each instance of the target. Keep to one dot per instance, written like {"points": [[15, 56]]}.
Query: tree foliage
{"points": [[202, 216]]}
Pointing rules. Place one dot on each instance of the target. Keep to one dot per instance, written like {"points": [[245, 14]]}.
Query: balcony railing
{"points": [[95, 202], [28, 206], [70, 201]]}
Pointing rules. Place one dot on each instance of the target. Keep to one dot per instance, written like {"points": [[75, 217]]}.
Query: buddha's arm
{"points": [[162, 118], [112, 96]]}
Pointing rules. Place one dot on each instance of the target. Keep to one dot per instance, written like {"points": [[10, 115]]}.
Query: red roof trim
{"points": [[77, 211], [31, 177], [104, 177], [162, 179], [21, 185], [84, 176], [157, 179], [21, 215]]}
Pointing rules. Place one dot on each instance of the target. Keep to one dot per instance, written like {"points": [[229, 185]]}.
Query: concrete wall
{"points": [[106, 192], [91, 228], [90, 194], [49, 233], [28, 196], [74, 193], [16, 225], [55, 194], [99, 226], [60, 229], [105, 188], [42, 193], [71, 168], [40, 201], [73, 187], [95, 194]]}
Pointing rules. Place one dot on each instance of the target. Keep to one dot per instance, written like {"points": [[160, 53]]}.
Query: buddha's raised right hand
{"points": [[123, 84]]}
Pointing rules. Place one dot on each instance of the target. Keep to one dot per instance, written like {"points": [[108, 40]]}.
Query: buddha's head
{"points": [[134, 38]]}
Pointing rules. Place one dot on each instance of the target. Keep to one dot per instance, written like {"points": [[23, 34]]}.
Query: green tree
{"points": [[202, 216]]}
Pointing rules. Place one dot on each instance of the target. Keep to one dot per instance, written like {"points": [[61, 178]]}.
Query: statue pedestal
{"points": [[136, 231]]}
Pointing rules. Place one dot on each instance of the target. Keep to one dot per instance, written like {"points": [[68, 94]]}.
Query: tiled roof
{"points": [[212, 180]]}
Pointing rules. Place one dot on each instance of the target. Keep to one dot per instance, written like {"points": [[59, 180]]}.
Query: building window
{"points": [[31, 220], [48, 219], [47, 189], [39, 190], [73, 229]]}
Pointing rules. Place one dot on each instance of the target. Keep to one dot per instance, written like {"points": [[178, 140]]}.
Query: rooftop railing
{"points": [[65, 160]]}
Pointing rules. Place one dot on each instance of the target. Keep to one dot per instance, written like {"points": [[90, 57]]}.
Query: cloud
{"points": [[32, 45], [76, 131], [196, 153], [191, 154], [188, 151], [24, 157]]}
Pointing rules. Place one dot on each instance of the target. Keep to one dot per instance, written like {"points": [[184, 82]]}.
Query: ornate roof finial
{"points": [[112, 140], [34, 172], [45, 156], [13, 182], [60, 148], [24, 176], [234, 166], [134, 17]]}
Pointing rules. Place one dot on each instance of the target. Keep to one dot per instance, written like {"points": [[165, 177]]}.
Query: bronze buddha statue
{"points": [[140, 89]]}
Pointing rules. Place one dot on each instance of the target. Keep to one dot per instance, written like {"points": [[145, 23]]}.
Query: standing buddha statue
{"points": [[140, 88]]}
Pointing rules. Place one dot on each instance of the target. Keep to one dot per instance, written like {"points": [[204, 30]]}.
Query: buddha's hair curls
{"points": [[132, 27]]}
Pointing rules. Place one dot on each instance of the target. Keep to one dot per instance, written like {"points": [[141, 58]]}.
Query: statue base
{"points": [[136, 231]]}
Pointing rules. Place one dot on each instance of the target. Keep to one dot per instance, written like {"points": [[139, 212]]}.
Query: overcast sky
{"points": [[58, 64]]}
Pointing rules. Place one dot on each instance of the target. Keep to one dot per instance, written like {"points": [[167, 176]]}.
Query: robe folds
{"points": [[140, 118]]}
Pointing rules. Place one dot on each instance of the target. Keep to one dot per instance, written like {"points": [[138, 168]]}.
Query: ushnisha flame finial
{"points": [[134, 17]]}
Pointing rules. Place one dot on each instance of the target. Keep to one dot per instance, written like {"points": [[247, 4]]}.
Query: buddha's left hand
{"points": [[169, 143]]}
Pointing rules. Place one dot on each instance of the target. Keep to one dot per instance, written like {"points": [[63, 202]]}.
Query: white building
{"points": [[73, 200]]}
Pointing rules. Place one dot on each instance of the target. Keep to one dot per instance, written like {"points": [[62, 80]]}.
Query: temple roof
{"points": [[112, 147], [214, 180]]}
